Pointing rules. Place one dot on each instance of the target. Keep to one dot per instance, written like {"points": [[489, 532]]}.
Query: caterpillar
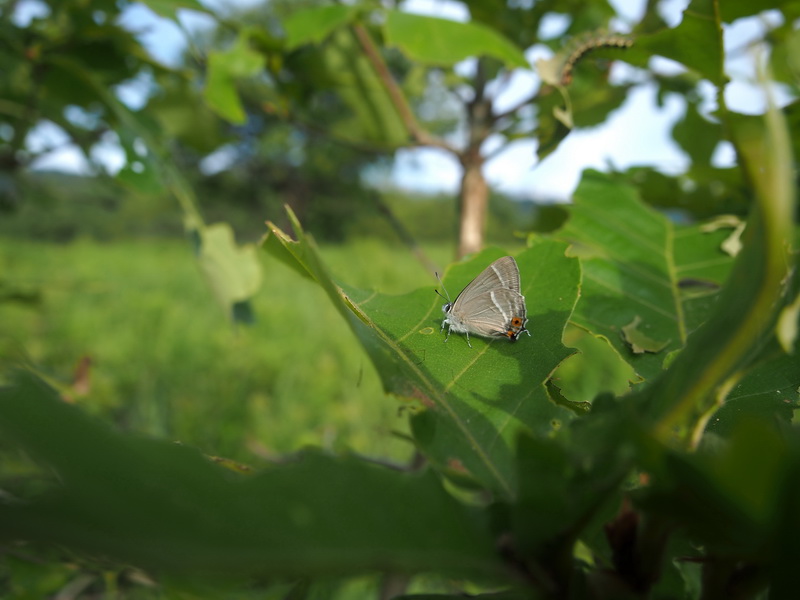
{"points": [[586, 45]]}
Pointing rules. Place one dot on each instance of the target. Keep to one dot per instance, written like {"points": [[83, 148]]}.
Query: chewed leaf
{"points": [[639, 341], [723, 348], [477, 397], [637, 263], [597, 367], [733, 243]]}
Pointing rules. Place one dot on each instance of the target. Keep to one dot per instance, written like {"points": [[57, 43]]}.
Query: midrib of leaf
{"points": [[673, 280], [440, 397], [666, 252], [304, 249], [511, 415], [466, 368], [471, 426]]}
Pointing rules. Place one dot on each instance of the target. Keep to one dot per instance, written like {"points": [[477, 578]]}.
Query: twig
{"points": [[417, 133]]}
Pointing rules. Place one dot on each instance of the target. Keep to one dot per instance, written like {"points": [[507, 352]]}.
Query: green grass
{"points": [[167, 363]]}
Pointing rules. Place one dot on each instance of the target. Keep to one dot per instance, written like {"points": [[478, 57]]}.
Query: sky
{"points": [[636, 134]]}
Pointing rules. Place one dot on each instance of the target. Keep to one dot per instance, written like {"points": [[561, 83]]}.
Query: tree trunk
{"points": [[474, 193], [473, 204]]}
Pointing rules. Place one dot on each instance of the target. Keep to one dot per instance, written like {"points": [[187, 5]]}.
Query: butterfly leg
{"points": [[468, 344]]}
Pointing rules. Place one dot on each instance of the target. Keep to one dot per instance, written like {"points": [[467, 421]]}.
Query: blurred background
{"points": [[121, 142]]}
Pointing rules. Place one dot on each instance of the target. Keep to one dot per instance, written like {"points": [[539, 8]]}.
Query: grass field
{"points": [[167, 363]]}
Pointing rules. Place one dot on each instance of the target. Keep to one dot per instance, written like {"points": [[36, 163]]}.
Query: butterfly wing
{"points": [[498, 312], [502, 273]]}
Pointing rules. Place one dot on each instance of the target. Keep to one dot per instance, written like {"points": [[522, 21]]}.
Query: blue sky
{"points": [[636, 134]]}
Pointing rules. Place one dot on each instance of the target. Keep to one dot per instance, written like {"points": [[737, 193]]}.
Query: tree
{"points": [[351, 54]]}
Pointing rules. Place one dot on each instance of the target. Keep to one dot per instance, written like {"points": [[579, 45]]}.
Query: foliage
{"points": [[172, 357], [348, 55], [683, 485], [62, 68], [61, 207]]}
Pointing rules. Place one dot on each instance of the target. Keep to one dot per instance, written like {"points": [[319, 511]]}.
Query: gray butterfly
{"points": [[490, 306]]}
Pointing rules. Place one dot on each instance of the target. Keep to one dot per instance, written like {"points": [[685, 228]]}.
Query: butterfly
{"points": [[490, 306]]}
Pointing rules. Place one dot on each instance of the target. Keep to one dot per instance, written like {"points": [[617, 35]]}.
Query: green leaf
{"points": [[341, 66], [169, 8], [149, 168], [233, 272], [165, 506], [435, 41], [313, 25], [561, 486], [737, 9], [596, 368], [703, 193], [477, 398], [638, 340], [638, 265], [141, 170], [747, 309], [224, 69], [697, 136], [726, 497], [375, 117], [696, 42], [769, 393], [182, 114]]}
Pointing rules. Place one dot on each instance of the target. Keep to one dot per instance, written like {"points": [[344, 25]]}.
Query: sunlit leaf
{"points": [[636, 266], [182, 114], [476, 397], [341, 66], [436, 41], [311, 26], [233, 271], [225, 68], [697, 136], [596, 368], [696, 42]]}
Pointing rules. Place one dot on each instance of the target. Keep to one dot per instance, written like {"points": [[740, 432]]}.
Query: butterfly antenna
{"points": [[447, 296]]}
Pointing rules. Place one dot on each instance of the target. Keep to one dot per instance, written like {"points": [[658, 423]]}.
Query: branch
{"points": [[419, 135]]}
